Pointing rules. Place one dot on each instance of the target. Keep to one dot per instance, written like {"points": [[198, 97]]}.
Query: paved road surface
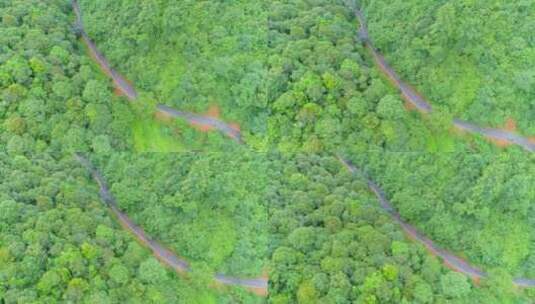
{"points": [[202, 120]]}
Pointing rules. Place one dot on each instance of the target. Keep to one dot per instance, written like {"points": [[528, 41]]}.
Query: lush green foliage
{"points": [[333, 244], [473, 57], [293, 74], [295, 77], [59, 243], [325, 93], [474, 204], [223, 65], [52, 99], [207, 207]]}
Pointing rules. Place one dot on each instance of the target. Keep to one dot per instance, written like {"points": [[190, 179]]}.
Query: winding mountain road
{"points": [[260, 285], [257, 285], [130, 92], [413, 97], [453, 262], [164, 255]]}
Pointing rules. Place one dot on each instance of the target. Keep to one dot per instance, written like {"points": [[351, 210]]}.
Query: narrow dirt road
{"points": [[130, 92], [451, 261], [164, 255], [413, 97]]}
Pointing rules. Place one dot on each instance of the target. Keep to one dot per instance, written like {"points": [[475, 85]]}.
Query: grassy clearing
{"points": [[152, 136]]}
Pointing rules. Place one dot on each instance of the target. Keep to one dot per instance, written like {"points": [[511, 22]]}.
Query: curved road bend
{"points": [[130, 92], [408, 93], [452, 261], [166, 256], [412, 96]]}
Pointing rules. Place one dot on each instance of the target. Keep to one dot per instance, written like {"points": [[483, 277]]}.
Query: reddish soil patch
{"points": [[201, 127], [234, 126], [263, 292], [265, 274], [213, 111], [162, 260], [117, 91], [106, 70], [409, 106], [163, 117], [502, 143], [409, 101], [475, 279], [451, 267], [130, 83], [510, 125]]}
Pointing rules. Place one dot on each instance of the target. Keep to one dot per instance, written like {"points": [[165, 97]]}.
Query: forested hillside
{"points": [[222, 67], [313, 99], [323, 92], [320, 89], [477, 204], [53, 100], [474, 58], [59, 243], [307, 151], [327, 239], [210, 208], [336, 245]]}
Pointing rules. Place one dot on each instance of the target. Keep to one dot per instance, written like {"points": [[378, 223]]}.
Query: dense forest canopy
{"points": [[335, 245], [295, 81], [223, 66], [58, 243], [53, 100], [477, 204], [208, 207], [479, 68], [319, 89]]}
